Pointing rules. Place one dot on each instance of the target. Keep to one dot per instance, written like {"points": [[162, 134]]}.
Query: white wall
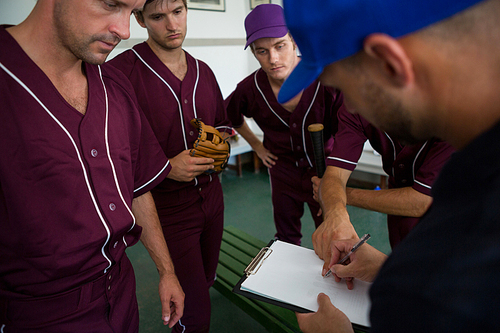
{"points": [[217, 38]]}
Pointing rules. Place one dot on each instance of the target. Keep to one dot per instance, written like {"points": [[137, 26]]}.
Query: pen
{"points": [[354, 248]]}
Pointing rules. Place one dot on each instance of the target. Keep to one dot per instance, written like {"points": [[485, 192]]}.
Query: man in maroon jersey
{"points": [[287, 148], [172, 88], [78, 162]]}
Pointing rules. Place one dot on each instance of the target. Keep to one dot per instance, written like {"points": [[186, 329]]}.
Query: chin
{"points": [[96, 59], [278, 77]]}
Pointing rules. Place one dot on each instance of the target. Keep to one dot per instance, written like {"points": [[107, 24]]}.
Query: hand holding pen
{"points": [[354, 248], [363, 266]]}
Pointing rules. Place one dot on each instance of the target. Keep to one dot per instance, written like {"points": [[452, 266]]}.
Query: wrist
{"points": [[336, 214]]}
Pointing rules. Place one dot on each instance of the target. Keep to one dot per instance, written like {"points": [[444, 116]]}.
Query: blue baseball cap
{"points": [[326, 31]]}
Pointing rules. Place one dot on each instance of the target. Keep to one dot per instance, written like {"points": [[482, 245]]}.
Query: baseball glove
{"points": [[210, 144]]}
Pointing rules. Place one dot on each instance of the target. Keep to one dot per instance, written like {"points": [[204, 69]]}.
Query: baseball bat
{"points": [[316, 131]]}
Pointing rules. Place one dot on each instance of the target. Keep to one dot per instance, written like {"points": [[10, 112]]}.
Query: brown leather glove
{"points": [[210, 144]]}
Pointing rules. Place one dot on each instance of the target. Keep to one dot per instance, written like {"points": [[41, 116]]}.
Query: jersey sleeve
{"points": [[152, 165], [238, 104], [235, 108], [349, 141], [436, 155], [222, 122]]}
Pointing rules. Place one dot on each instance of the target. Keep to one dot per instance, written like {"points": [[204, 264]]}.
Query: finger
{"points": [[325, 269], [166, 315], [327, 254], [176, 314], [317, 244], [266, 163], [320, 212], [272, 156], [350, 283], [202, 160], [342, 271]]}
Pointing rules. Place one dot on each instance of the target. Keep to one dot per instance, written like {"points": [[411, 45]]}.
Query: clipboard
{"points": [[254, 267]]}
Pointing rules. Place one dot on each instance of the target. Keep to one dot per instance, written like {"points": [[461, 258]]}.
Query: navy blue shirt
{"points": [[445, 275]]}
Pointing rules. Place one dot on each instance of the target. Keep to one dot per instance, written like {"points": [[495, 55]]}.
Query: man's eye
{"points": [[110, 4]]}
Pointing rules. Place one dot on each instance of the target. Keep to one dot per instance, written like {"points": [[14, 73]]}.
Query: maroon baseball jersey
{"points": [[411, 165], [175, 102], [285, 132], [67, 180]]}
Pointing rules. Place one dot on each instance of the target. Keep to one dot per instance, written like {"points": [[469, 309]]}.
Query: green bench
{"points": [[237, 250]]}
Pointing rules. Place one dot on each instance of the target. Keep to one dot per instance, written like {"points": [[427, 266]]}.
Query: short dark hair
{"points": [[139, 13]]}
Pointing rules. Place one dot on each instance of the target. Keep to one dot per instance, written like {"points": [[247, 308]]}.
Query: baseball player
{"points": [[173, 89], [412, 170], [78, 162], [287, 149]]}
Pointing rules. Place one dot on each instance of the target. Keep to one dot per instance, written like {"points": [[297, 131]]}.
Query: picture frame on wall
{"points": [[255, 3], [217, 5]]}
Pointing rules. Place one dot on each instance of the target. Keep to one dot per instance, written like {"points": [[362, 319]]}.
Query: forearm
{"points": [[152, 237], [249, 136], [332, 195], [400, 201]]}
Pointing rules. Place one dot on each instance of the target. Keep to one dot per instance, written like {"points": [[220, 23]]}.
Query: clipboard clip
{"points": [[256, 262]]}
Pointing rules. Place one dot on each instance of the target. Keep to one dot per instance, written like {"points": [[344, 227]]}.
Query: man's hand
{"points": [[171, 294], [172, 299], [330, 190], [364, 264], [265, 155], [186, 167], [328, 319], [333, 228]]}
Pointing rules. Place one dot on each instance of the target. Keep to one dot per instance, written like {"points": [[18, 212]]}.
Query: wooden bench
{"points": [[237, 250]]}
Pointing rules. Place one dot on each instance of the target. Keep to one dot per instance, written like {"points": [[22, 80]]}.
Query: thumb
{"points": [[324, 303], [323, 300]]}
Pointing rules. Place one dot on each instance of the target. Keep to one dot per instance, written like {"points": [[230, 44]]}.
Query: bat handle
{"points": [[316, 131]]}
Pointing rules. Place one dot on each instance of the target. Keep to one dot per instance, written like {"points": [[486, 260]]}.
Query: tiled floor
{"points": [[248, 207]]}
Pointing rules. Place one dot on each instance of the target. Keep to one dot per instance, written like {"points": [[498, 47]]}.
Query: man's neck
{"points": [[63, 69], [275, 84], [53, 60], [174, 59]]}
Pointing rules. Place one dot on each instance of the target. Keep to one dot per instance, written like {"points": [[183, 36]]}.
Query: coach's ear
{"points": [[391, 56]]}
